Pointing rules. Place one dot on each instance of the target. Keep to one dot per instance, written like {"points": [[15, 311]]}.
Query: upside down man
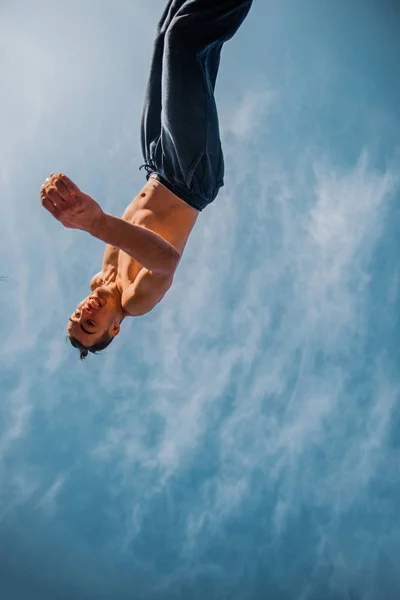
{"points": [[185, 168]]}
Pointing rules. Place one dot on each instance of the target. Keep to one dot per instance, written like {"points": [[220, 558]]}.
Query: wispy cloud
{"points": [[278, 347], [248, 117], [48, 502]]}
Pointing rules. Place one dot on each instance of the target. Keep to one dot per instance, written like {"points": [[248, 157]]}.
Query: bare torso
{"points": [[157, 209]]}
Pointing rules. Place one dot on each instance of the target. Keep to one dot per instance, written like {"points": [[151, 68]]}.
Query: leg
{"points": [[186, 151], [151, 117], [189, 154]]}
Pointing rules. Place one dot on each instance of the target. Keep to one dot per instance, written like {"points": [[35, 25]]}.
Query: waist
{"points": [[185, 196]]}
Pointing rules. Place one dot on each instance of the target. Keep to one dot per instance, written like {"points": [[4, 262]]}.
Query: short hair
{"points": [[84, 350]]}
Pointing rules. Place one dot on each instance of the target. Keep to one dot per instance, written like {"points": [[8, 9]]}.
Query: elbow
{"points": [[167, 263], [174, 260]]}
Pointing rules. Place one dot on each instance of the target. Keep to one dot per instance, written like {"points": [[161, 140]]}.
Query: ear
{"points": [[115, 329]]}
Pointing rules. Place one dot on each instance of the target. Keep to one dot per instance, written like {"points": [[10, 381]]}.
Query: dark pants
{"points": [[180, 131]]}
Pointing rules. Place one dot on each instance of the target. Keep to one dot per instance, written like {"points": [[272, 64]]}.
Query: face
{"points": [[94, 317]]}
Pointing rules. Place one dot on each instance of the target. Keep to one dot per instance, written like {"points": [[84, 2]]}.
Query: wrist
{"points": [[97, 224]]}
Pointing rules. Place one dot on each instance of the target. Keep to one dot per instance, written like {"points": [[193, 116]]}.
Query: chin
{"points": [[108, 299], [103, 295]]}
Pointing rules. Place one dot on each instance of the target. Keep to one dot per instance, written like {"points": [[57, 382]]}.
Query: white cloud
{"points": [[248, 117], [18, 413], [21, 485], [48, 502], [272, 282]]}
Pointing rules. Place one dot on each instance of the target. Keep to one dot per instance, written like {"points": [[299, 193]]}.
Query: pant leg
{"points": [[151, 116], [187, 154]]}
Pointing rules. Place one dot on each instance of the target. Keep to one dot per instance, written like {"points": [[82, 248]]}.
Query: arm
{"points": [[145, 292], [76, 210], [109, 266], [148, 248]]}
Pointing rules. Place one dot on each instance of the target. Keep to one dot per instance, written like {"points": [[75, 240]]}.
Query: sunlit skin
{"points": [[98, 313], [143, 250]]}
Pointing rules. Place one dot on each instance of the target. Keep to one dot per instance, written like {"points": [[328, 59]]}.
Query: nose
{"points": [[84, 309], [80, 312]]}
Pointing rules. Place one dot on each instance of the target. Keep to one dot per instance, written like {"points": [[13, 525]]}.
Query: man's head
{"points": [[96, 321]]}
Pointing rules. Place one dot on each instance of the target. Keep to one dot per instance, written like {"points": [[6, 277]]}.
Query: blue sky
{"points": [[242, 440]]}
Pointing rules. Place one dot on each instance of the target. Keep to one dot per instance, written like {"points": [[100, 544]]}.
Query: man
{"points": [[184, 163]]}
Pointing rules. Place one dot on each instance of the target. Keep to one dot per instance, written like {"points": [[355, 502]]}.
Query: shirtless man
{"points": [[184, 163]]}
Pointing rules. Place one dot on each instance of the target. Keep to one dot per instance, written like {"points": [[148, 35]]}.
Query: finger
{"points": [[70, 185], [55, 197], [62, 189], [48, 205], [43, 194]]}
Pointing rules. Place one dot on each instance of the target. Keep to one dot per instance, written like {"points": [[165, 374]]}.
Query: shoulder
{"points": [[145, 292]]}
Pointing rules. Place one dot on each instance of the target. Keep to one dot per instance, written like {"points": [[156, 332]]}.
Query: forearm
{"points": [[146, 247]]}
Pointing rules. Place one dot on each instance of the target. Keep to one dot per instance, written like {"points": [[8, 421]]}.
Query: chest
{"points": [[127, 270]]}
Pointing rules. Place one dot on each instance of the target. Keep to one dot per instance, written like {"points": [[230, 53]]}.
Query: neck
{"points": [[114, 296]]}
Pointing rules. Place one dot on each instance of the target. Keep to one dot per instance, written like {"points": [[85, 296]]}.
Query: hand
{"points": [[65, 201]]}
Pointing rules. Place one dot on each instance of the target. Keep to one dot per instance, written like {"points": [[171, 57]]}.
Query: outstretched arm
{"points": [[76, 210]]}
